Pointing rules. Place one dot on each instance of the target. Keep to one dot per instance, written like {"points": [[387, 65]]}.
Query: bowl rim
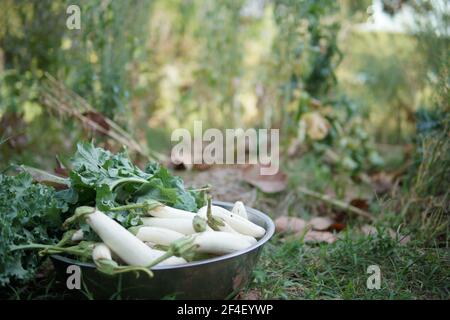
{"points": [[270, 230]]}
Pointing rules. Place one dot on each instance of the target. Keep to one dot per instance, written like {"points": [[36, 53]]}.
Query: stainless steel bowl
{"points": [[216, 278]]}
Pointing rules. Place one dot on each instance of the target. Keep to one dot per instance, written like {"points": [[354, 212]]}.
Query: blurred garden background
{"points": [[358, 89]]}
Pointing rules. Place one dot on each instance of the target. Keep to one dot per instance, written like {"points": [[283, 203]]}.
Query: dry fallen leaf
{"points": [[392, 233], [360, 203], [404, 240], [320, 223], [289, 224], [337, 226], [382, 182], [317, 236], [266, 183], [369, 230]]}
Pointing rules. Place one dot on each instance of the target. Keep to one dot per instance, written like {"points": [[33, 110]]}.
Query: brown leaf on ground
{"points": [[289, 224], [369, 230], [266, 183], [382, 182], [404, 240], [337, 227], [360, 203], [320, 223], [317, 236], [392, 233], [250, 295]]}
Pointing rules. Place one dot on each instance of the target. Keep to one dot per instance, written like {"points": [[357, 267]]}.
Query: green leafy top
{"points": [[28, 213], [95, 166], [108, 180]]}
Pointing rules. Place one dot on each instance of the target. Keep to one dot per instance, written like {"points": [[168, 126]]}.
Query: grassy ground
{"points": [[414, 269], [292, 270]]}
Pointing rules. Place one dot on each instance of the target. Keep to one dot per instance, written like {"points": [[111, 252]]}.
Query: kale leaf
{"points": [[29, 213]]}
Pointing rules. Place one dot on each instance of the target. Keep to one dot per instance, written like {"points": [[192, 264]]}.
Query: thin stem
{"points": [[133, 268], [67, 237], [212, 221], [143, 205], [79, 213], [209, 209], [337, 203], [112, 268], [29, 246], [48, 249], [205, 188], [165, 256], [178, 248]]}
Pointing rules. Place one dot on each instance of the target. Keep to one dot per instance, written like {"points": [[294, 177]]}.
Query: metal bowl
{"points": [[217, 278]]}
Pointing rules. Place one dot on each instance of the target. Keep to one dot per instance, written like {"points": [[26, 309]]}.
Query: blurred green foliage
{"points": [[98, 56], [157, 65], [92, 61]]}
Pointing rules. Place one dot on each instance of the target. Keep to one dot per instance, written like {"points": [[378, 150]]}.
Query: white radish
{"points": [[102, 257], [78, 235], [227, 228], [130, 249], [181, 225], [219, 242], [250, 239], [150, 244], [236, 222], [219, 210], [239, 210], [101, 252], [170, 213], [156, 235]]}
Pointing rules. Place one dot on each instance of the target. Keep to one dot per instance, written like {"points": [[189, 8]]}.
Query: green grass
{"points": [[419, 269], [293, 270]]}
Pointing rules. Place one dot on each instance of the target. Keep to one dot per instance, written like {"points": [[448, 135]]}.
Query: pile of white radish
{"points": [[167, 236]]}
